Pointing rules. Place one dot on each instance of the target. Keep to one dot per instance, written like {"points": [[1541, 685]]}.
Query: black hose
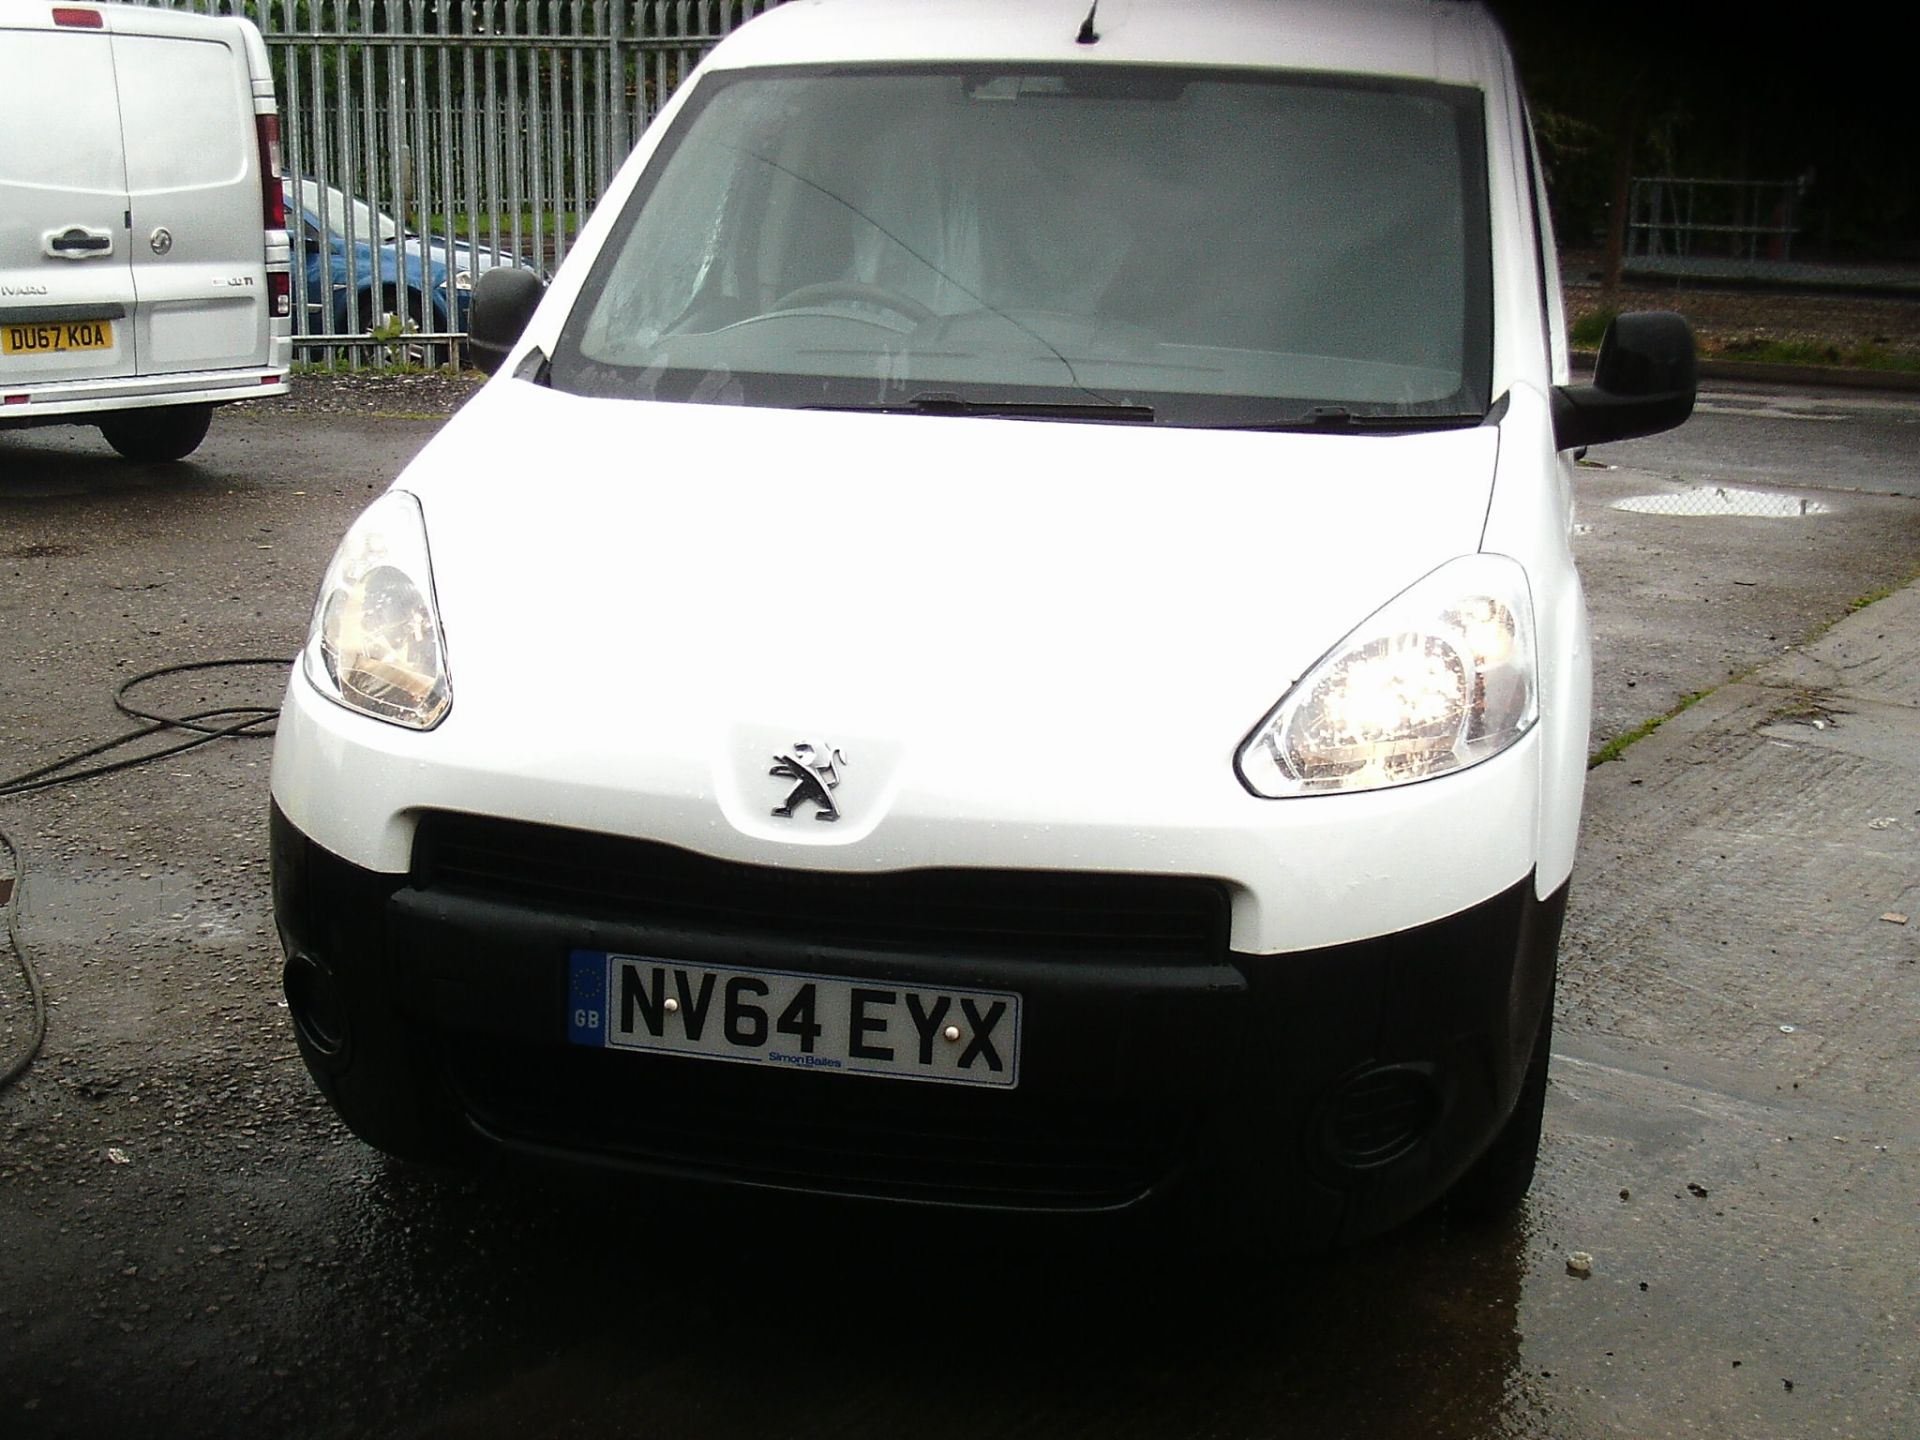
{"points": [[37, 1023], [242, 720], [229, 722]]}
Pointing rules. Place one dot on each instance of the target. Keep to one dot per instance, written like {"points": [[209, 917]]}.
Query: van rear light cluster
{"points": [[77, 18], [273, 200], [280, 292]]}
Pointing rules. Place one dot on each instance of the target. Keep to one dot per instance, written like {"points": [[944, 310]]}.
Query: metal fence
{"points": [[1689, 218], [431, 139]]}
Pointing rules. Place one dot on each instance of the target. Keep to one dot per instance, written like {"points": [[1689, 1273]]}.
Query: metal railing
{"points": [[1672, 217], [432, 139]]}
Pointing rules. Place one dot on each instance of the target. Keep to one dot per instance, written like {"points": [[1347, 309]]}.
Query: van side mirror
{"points": [[1643, 383], [504, 299]]}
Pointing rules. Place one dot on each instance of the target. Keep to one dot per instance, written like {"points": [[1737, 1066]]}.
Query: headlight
{"points": [[375, 644], [1442, 677]]}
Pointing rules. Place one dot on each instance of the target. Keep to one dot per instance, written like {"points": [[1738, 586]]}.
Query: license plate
{"points": [[802, 1022], [57, 336]]}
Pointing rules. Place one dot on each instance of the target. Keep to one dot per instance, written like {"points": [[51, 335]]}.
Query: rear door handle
{"points": [[77, 242]]}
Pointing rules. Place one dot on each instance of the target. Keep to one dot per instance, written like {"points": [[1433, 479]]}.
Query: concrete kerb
{"points": [[1852, 664]]}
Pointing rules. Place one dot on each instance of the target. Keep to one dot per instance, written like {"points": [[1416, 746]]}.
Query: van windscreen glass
{"points": [[1201, 248]]}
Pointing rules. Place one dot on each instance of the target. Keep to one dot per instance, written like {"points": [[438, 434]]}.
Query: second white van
{"points": [[144, 273]]}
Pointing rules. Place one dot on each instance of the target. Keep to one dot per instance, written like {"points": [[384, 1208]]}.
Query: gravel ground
{"points": [[402, 394], [1730, 320]]}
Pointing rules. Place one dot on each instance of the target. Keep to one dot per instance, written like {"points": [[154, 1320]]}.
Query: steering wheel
{"points": [[857, 292]]}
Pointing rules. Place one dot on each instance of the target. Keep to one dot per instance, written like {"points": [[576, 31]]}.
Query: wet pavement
{"points": [[189, 1243], [1740, 1002]]}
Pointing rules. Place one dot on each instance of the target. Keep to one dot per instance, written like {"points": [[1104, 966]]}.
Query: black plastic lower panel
{"points": [[1309, 1096], [832, 1133]]}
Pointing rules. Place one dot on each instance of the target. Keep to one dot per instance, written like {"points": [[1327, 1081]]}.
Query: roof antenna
{"points": [[1088, 35]]}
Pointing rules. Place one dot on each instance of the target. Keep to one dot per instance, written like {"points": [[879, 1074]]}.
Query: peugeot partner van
{"points": [[143, 247], [1004, 635]]}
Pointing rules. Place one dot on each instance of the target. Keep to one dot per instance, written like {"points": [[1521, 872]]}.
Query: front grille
{"points": [[1117, 918], [1025, 1148], [837, 1134]]}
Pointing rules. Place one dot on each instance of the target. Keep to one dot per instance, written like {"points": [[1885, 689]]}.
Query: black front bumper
{"points": [[1306, 1097]]}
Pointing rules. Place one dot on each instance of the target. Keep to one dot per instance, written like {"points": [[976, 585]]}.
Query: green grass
{"points": [[1588, 331], [370, 368], [1814, 352], [1617, 746], [552, 222]]}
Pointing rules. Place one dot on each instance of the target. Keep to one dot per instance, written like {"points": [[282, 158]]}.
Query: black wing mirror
{"points": [[1643, 383], [504, 299]]}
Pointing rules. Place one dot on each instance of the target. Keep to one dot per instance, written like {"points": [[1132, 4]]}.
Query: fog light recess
{"points": [[318, 1008], [1379, 1114]]}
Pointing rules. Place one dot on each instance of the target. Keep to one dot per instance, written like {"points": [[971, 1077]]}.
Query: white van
{"points": [[143, 246], [1042, 668]]}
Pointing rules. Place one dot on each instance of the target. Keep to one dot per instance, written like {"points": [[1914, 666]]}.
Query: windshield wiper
{"points": [[935, 402], [535, 366], [1339, 418]]}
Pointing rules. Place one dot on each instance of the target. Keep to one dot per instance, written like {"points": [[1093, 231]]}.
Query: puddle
{"points": [[1765, 412], [64, 908], [1726, 500]]}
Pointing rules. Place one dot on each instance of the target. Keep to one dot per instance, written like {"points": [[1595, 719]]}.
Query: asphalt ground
{"points": [[189, 1244]]}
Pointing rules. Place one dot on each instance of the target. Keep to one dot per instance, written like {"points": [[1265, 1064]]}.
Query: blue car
{"points": [[383, 271]]}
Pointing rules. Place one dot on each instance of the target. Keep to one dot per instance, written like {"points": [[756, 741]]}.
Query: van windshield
{"points": [[1190, 247]]}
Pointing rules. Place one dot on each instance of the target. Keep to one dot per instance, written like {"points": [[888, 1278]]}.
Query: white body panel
{"points": [[73, 183], [145, 150], [1028, 655]]}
